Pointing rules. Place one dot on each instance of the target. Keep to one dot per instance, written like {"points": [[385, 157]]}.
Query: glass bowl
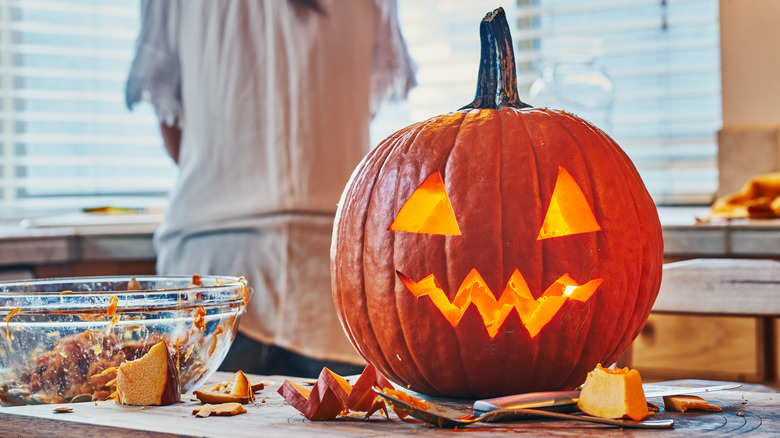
{"points": [[60, 339]]}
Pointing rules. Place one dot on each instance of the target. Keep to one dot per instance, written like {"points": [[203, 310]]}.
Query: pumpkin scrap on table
{"points": [[408, 399], [362, 398], [150, 380], [497, 249], [237, 390], [231, 408], [614, 393], [332, 396], [682, 403]]}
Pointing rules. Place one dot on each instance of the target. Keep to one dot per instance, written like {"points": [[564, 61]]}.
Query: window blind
{"points": [[662, 58], [67, 138]]}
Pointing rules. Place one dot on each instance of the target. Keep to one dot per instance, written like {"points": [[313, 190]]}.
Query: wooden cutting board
{"points": [[270, 416]]}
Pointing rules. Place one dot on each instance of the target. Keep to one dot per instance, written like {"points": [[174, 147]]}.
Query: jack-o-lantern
{"points": [[497, 249]]}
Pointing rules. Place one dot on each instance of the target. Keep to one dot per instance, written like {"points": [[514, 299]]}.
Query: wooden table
{"points": [[757, 413], [715, 319]]}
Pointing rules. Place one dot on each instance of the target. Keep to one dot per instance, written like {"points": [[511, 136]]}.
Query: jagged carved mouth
{"points": [[534, 313]]}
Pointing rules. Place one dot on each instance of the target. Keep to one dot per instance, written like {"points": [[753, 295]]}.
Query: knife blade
{"points": [[558, 401], [566, 401], [659, 390]]}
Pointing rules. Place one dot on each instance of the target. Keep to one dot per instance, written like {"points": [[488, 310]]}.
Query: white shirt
{"points": [[274, 104]]}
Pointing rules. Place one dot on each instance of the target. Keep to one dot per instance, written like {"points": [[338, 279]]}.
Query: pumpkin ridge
{"points": [[616, 335], [540, 260], [426, 376], [626, 322], [446, 163], [645, 270], [545, 352], [461, 365], [465, 354], [589, 334], [396, 150], [519, 116], [375, 158]]}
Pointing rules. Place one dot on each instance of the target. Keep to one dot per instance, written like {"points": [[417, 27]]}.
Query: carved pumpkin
{"points": [[497, 249]]}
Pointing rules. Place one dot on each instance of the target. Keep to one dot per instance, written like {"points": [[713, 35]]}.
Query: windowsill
{"points": [[737, 238], [80, 237]]}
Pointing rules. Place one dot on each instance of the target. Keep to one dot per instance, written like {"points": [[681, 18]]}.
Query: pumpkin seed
{"points": [[81, 398]]}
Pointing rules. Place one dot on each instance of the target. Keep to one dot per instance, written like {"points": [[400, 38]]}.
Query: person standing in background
{"points": [[265, 105]]}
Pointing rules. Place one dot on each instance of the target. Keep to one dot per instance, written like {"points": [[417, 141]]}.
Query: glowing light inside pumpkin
{"points": [[534, 313], [569, 212], [428, 210]]}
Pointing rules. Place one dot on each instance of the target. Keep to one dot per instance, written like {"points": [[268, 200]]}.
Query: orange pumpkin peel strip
{"points": [[213, 347], [8, 323], [199, 319]]}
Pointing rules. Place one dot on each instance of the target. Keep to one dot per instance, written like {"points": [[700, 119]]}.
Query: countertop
{"points": [[756, 413], [79, 237]]}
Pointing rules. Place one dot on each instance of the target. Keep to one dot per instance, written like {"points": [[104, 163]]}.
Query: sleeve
{"points": [[155, 74], [393, 70]]}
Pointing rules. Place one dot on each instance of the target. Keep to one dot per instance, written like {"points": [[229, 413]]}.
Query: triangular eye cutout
{"points": [[428, 210], [569, 212]]}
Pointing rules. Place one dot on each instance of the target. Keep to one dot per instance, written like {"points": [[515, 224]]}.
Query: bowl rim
{"points": [[224, 290], [220, 282]]}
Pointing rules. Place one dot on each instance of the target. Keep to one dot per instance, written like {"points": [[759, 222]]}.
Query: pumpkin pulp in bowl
{"points": [[61, 339]]}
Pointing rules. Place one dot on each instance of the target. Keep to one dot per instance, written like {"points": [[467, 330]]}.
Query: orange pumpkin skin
{"points": [[499, 168]]}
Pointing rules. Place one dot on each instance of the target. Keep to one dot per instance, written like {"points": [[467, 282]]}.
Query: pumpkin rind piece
{"points": [[316, 404], [362, 397], [332, 396]]}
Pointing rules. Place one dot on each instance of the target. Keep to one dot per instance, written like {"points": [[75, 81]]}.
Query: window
{"points": [[662, 58], [67, 138]]}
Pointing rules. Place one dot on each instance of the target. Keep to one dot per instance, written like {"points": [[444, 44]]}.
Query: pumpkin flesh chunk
{"points": [[153, 379], [614, 393], [534, 313]]}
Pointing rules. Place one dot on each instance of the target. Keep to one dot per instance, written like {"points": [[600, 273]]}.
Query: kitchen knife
{"points": [[566, 401]]}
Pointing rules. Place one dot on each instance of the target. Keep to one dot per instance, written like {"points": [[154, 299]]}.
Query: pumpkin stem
{"points": [[497, 81], [487, 79]]}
